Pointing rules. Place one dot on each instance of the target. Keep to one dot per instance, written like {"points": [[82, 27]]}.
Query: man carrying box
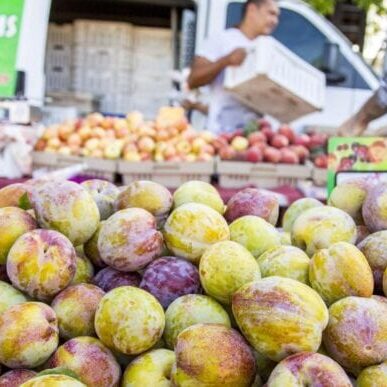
{"points": [[229, 48]]}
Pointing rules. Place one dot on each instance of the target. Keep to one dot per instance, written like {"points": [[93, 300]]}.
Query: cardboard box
{"points": [[274, 81]]}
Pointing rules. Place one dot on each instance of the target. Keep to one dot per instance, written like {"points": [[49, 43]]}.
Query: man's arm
{"points": [[204, 72], [374, 108]]}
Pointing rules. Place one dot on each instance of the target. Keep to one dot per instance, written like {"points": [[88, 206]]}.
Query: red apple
{"points": [[288, 156], [272, 155], [254, 155], [267, 131], [321, 161], [227, 153], [318, 140], [288, 132], [257, 137], [302, 139], [279, 141], [264, 123], [301, 151], [219, 142]]}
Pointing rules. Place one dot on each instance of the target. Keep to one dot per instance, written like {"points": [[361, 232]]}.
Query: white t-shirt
{"points": [[226, 114]]}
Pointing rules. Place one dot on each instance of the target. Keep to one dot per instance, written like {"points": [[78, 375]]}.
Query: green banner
{"points": [[11, 12]]}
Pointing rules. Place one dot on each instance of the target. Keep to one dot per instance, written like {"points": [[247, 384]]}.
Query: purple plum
{"points": [[168, 278], [109, 278]]}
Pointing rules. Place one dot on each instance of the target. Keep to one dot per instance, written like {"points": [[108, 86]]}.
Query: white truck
{"points": [[350, 81], [305, 32]]}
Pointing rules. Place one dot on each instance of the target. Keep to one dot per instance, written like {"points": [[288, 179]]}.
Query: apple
{"points": [[198, 144], [107, 123], [267, 131], [254, 155], [279, 141], [318, 140], [257, 137], [288, 132], [74, 139], [92, 144], [40, 145], [132, 156], [54, 143], [321, 161], [209, 149], [302, 139], [227, 153], [239, 143], [98, 132], [85, 132], [146, 144], [50, 132], [183, 147], [94, 119], [65, 131], [289, 157], [272, 155], [301, 151], [219, 143]]}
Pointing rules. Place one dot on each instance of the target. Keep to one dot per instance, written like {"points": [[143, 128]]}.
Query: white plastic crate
{"points": [[238, 174], [101, 82], [156, 65], [156, 41], [54, 114], [273, 80], [320, 176], [58, 55], [170, 174], [108, 58], [99, 168], [103, 33], [116, 104], [60, 34], [154, 85], [58, 78]]}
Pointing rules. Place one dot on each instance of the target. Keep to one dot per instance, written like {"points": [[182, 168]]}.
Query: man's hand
{"points": [[237, 57]]}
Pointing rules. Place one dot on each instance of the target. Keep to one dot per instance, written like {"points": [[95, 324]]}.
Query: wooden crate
{"points": [[96, 167], [237, 174], [169, 174]]}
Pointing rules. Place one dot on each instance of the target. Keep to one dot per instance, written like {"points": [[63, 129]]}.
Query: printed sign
{"points": [[350, 158], [11, 12]]}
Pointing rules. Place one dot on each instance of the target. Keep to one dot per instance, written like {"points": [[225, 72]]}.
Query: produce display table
{"points": [[290, 193]]}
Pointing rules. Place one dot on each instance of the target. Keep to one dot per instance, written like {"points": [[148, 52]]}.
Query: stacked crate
{"points": [[102, 62], [152, 65], [59, 57]]}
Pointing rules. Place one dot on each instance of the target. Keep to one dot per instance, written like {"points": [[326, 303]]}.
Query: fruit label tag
{"points": [[353, 157]]}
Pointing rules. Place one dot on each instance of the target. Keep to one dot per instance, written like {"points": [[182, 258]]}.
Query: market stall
{"points": [[139, 251]]}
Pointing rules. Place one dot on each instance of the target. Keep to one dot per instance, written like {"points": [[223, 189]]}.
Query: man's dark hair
{"points": [[248, 2]]}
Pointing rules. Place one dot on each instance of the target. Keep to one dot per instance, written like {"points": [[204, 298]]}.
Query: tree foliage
{"points": [[327, 7]]}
